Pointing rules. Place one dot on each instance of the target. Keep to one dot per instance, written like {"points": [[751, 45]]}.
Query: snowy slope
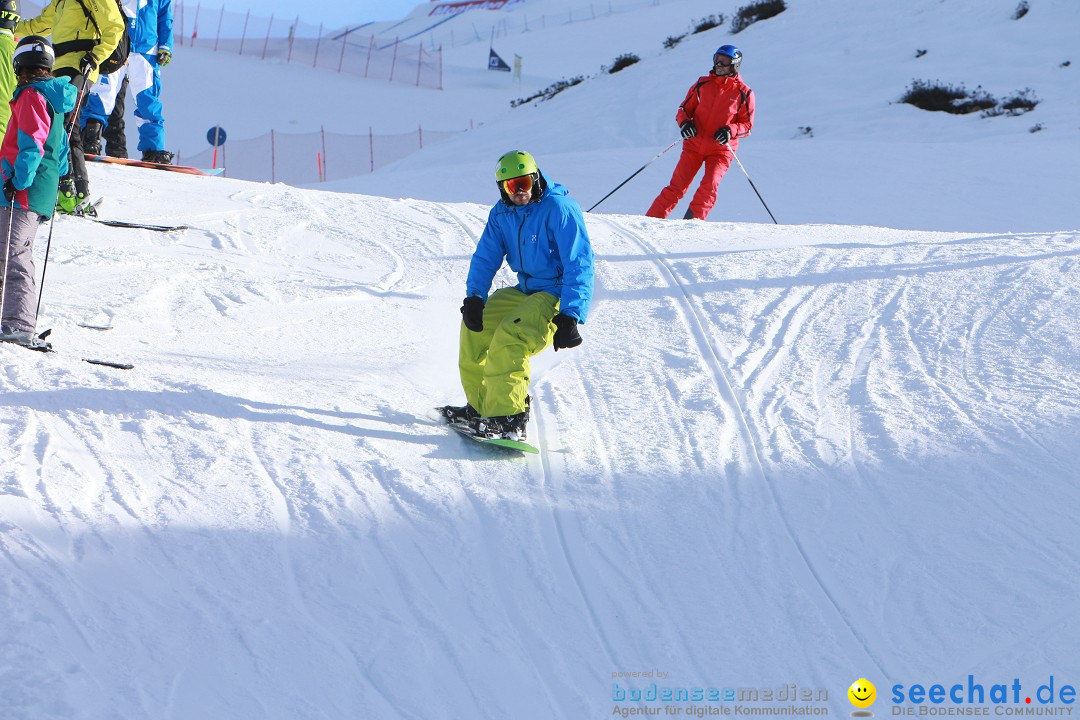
{"points": [[857, 444], [801, 453]]}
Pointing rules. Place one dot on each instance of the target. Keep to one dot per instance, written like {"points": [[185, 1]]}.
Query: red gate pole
{"points": [[393, 63], [195, 27], [322, 129], [220, 18], [318, 42], [292, 38], [243, 34], [267, 40]]}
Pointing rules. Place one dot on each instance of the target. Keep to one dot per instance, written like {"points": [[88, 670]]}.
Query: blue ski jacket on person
{"points": [[151, 27], [545, 243], [34, 150]]}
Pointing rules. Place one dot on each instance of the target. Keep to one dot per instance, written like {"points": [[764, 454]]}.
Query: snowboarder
{"points": [[151, 36], [717, 111], [84, 33], [541, 234], [33, 156]]}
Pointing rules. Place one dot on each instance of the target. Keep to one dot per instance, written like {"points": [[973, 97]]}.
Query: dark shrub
{"points": [[549, 92], [623, 61], [936, 96], [1020, 103], [1035, 128], [747, 15], [673, 40], [805, 131], [707, 23], [1021, 10], [919, 53]]}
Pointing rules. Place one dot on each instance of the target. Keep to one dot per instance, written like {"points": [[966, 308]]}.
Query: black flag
{"points": [[496, 63]]}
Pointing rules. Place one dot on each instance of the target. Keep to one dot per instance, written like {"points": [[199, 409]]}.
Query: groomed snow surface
{"points": [[785, 454]]}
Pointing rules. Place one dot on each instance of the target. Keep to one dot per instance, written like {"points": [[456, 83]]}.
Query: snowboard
{"points": [[465, 431], [185, 169], [517, 445]]}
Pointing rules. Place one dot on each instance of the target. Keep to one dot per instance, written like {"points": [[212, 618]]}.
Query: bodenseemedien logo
{"points": [[862, 695]]}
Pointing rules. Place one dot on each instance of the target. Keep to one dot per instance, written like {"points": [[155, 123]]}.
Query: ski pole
{"points": [[752, 185], [52, 221], [7, 252], [635, 174]]}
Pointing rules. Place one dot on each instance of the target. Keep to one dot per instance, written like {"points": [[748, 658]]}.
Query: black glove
{"points": [[723, 135], [566, 334], [472, 312], [9, 190], [87, 65], [688, 129]]}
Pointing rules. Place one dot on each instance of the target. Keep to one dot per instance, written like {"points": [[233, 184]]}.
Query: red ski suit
{"points": [[713, 102]]}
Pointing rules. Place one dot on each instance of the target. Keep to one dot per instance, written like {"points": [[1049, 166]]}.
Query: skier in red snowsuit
{"points": [[717, 111]]}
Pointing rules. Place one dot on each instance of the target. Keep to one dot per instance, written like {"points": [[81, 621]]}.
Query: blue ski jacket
{"points": [[34, 151], [545, 243], [150, 27]]}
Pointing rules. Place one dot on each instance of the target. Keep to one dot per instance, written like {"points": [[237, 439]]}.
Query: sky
{"points": [[785, 455]]}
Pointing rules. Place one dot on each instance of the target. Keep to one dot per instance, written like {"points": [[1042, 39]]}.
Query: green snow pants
{"points": [[494, 363]]}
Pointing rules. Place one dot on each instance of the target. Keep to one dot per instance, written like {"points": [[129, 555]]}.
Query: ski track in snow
{"points": [[752, 442]]}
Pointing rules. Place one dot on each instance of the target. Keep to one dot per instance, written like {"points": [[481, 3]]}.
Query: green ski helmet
{"points": [[515, 164]]}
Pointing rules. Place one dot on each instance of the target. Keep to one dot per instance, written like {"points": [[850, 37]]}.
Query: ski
{"points": [[185, 169], [94, 327], [46, 347], [110, 363], [138, 226]]}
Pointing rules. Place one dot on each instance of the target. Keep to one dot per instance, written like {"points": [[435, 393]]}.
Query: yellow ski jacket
{"points": [[74, 34]]}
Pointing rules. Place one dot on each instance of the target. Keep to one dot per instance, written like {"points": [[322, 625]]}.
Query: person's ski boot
{"points": [[26, 338], [507, 427], [161, 157], [68, 199], [71, 202], [458, 414], [91, 137]]}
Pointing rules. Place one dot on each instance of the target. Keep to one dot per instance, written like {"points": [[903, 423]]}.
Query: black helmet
{"points": [[9, 14], [33, 51]]}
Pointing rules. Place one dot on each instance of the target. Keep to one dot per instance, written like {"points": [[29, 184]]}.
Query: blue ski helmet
{"points": [[732, 52]]}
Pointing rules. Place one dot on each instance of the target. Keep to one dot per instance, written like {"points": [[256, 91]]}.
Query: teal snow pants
{"points": [[494, 363]]}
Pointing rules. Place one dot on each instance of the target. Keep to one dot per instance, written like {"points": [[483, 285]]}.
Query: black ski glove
{"points": [[723, 135], [472, 313], [688, 129], [87, 65], [9, 190], [566, 334]]}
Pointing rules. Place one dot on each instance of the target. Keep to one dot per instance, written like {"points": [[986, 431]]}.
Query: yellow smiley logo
{"points": [[862, 693]]}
